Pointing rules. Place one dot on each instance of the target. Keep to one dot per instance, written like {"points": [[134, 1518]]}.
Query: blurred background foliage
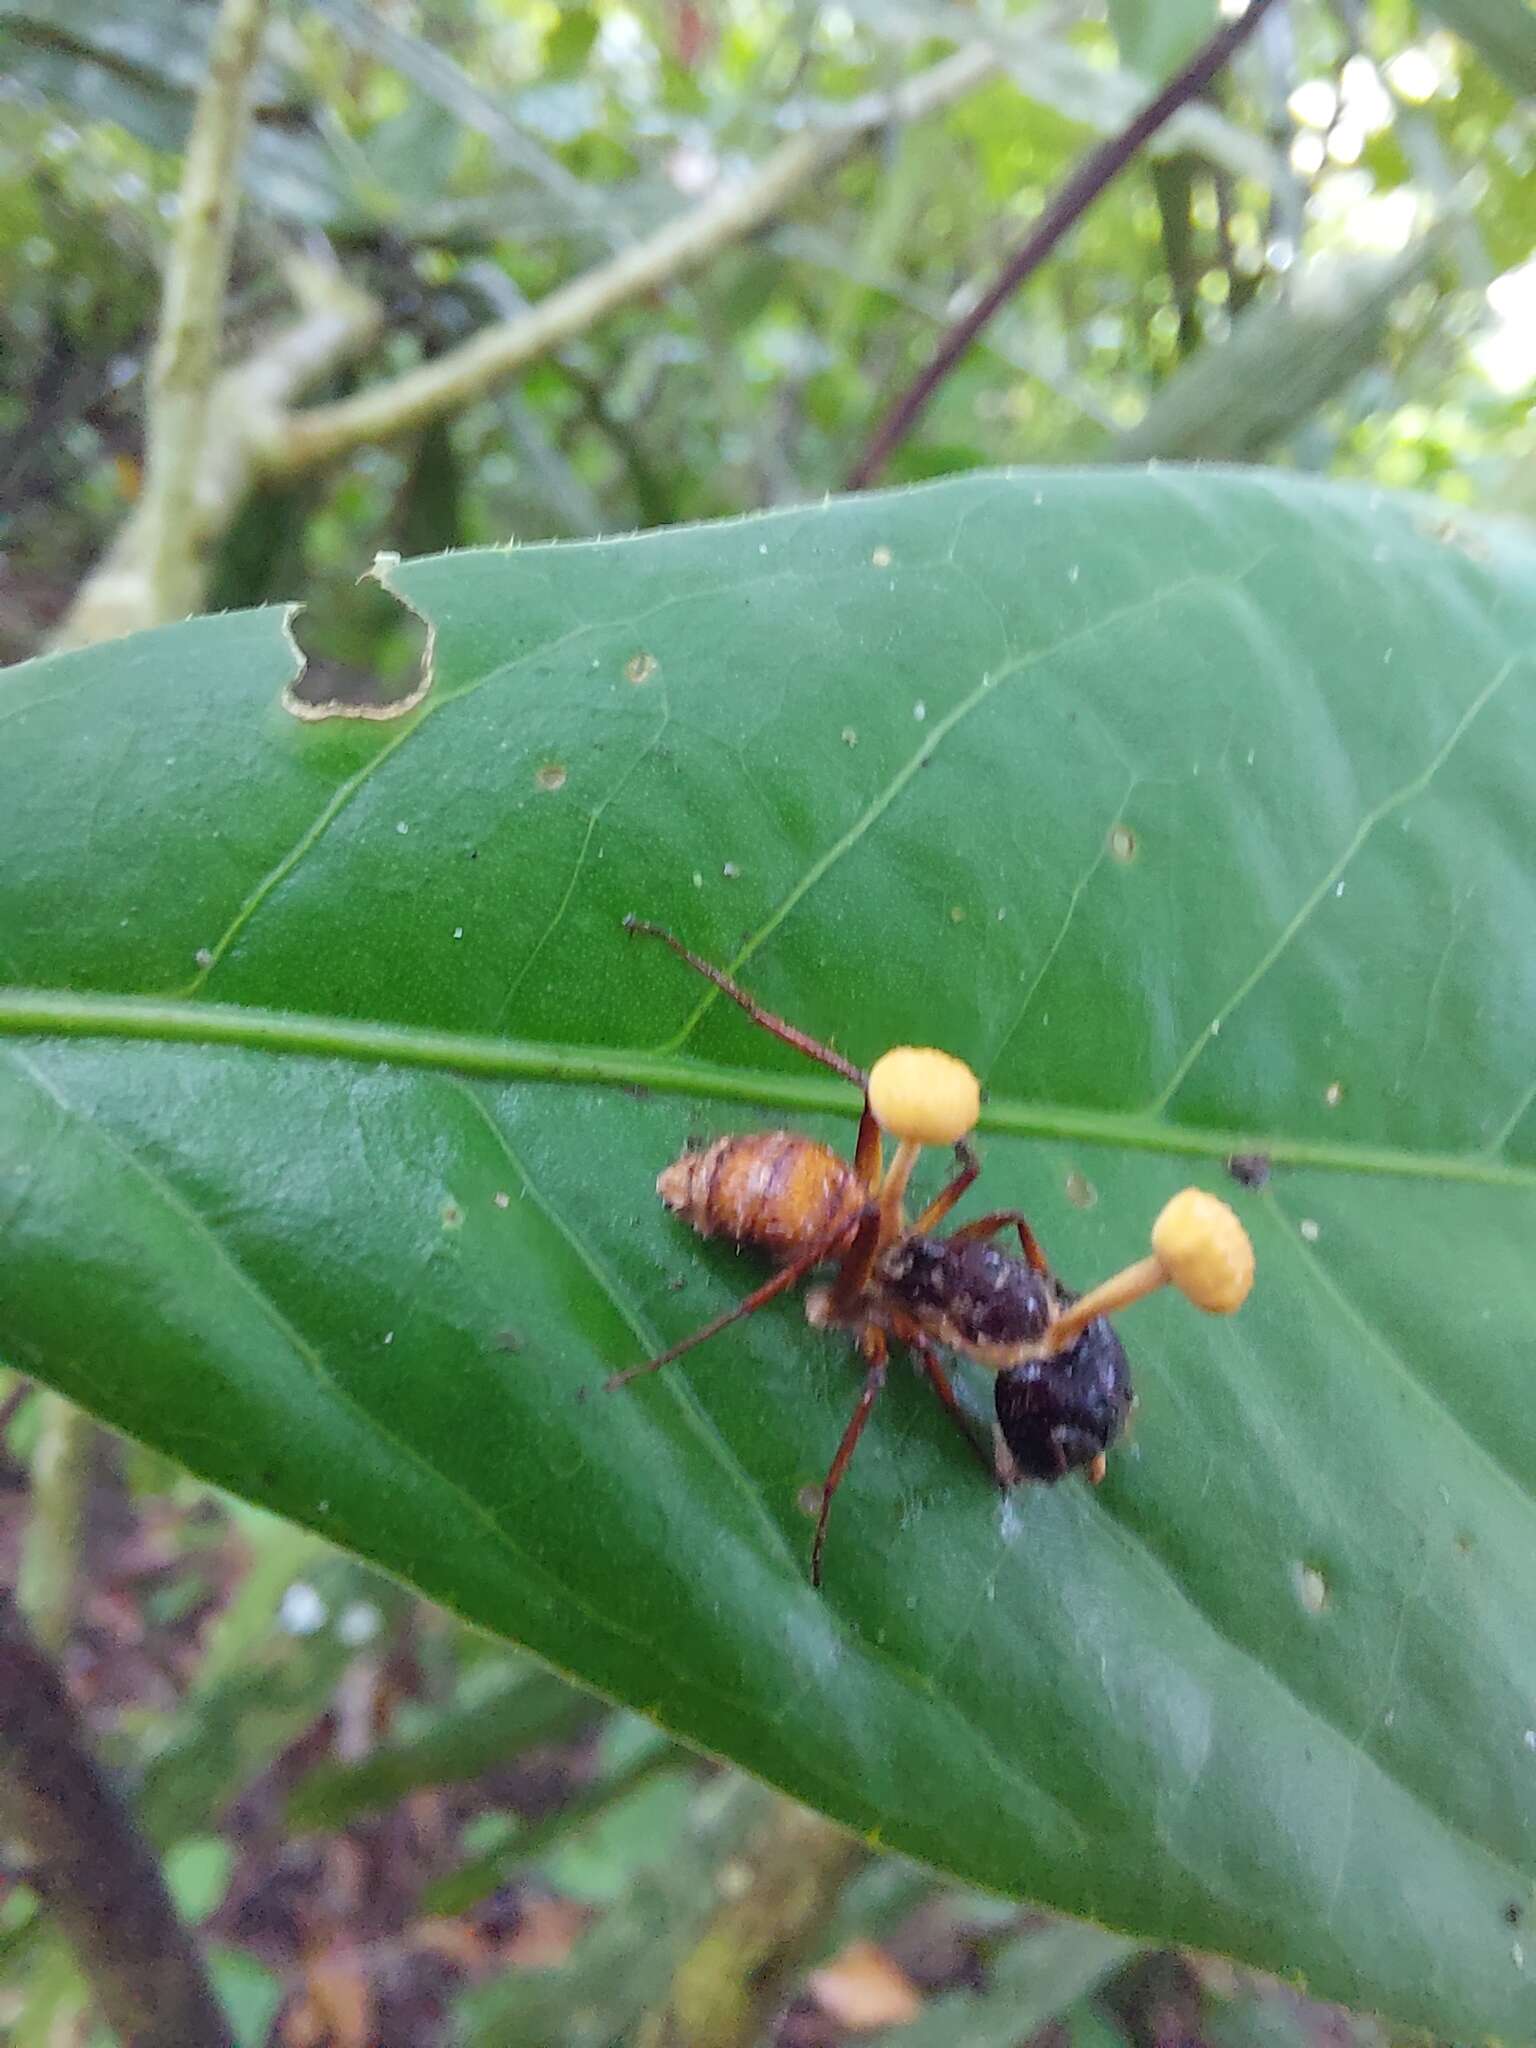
{"points": [[1326, 265], [389, 1829]]}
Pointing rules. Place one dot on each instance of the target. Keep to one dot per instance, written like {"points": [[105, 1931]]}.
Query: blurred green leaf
{"points": [[54, 1996], [433, 74], [266, 1676], [1503, 31], [1272, 2016], [249, 1993], [198, 1872], [516, 1847], [1031, 1980], [164, 41], [569, 42], [623, 1964], [1155, 36], [1284, 360], [597, 1863], [1085, 2026], [504, 1714], [1192, 808]]}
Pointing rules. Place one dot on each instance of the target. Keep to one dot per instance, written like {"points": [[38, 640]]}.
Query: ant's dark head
{"points": [[1061, 1414]]}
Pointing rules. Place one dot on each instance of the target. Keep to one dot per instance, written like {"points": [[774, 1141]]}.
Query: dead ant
{"points": [[1063, 1388]]}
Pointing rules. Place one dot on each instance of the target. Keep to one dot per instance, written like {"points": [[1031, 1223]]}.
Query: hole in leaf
{"points": [[367, 655], [1311, 1588]]}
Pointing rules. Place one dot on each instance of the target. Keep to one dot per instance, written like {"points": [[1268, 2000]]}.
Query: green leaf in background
{"points": [[197, 1872], [1502, 31], [1155, 36], [504, 1713], [1031, 1980], [273, 1661], [1194, 809], [249, 1993]]}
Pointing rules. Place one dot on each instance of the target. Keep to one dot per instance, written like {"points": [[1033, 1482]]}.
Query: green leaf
{"points": [[602, 1859], [197, 1872], [510, 1848], [625, 1960], [1030, 1980], [249, 1994], [1283, 362], [261, 1682], [1501, 31], [1155, 36], [511, 1710], [1194, 810]]}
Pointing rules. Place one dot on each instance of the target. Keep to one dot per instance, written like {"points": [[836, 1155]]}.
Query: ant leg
{"points": [[858, 1262], [946, 1198], [873, 1343], [939, 1380], [784, 1279], [869, 1152], [800, 1040], [999, 1219]]}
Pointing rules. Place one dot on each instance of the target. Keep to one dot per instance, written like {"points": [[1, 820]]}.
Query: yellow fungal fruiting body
{"points": [[1205, 1250], [923, 1096]]}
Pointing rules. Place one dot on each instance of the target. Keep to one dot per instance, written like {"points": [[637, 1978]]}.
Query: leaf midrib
{"points": [[28, 1013], [924, 1686]]}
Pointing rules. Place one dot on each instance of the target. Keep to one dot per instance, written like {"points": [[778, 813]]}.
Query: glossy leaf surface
{"points": [[1194, 810]]}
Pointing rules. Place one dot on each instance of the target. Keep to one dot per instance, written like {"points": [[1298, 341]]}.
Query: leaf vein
{"points": [[199, 1227], [876, 809], [1083, 881], [1415, 786]]}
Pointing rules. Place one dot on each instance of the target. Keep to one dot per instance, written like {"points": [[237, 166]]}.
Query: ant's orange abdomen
{"points": [[772, 1190]]}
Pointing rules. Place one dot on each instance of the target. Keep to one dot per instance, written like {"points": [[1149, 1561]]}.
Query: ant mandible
{"points": [[1063, 1388]]}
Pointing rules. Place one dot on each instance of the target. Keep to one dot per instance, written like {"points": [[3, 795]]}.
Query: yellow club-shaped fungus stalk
{"points": [[1198, 1246], [922, 1097]]}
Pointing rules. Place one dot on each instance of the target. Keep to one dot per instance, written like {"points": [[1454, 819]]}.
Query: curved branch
{"points": [[251, 435], [450, 381]]}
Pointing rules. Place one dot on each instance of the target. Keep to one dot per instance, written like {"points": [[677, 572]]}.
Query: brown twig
{"points": [[89, 1863], [1098, 169]]}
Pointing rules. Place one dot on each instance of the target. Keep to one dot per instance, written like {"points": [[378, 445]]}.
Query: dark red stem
{"points": [[1098, 169]]}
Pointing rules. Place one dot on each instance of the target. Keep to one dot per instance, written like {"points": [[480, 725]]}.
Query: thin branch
{"points": [[784, 1886], [1072, 200], [252, 435], [452, 380], [191, 315], [91, 1865]]}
